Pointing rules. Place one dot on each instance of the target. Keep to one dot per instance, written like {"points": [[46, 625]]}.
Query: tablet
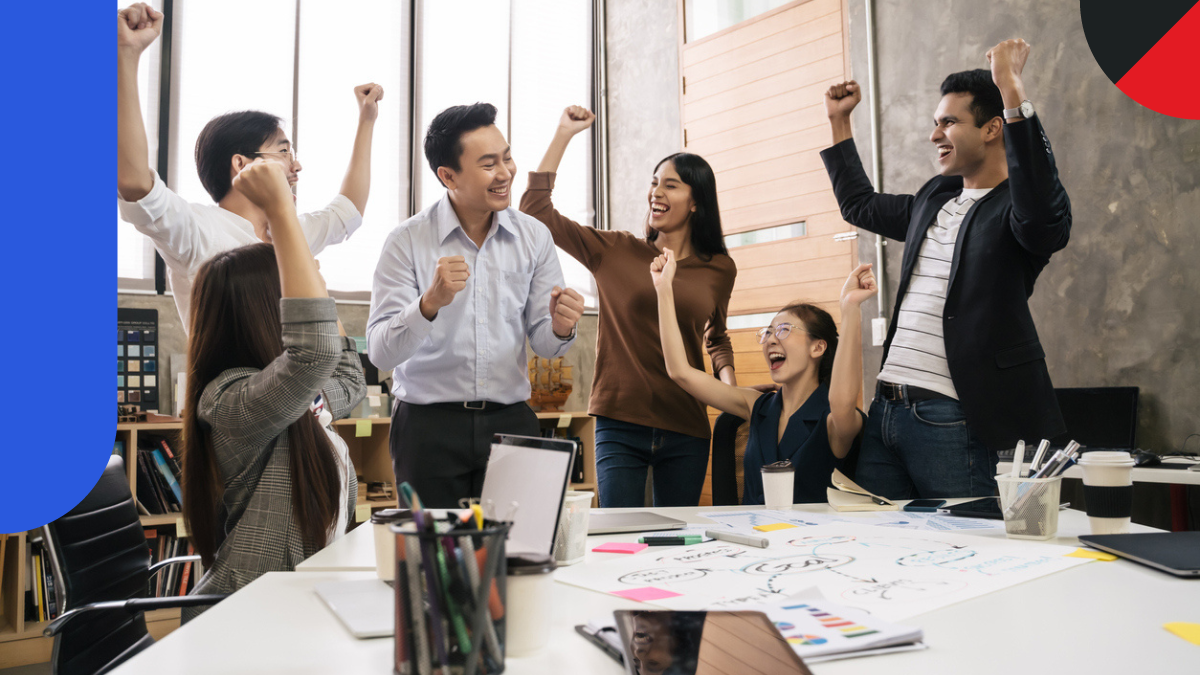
{"points": [[1175, 553], [987, 507], [676, 643]]}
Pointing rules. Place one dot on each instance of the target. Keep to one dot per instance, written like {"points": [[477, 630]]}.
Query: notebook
{"points": [[366, 607], [1175, 553], [846, 495]]}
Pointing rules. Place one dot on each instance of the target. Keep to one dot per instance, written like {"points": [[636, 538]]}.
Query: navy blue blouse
{"points": [[805, 443]]}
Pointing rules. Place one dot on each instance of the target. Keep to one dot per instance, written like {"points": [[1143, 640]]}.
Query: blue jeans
{"points": [[625, 450], [923, 449]]}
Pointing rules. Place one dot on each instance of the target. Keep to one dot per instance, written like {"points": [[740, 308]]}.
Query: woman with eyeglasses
{"points": [[643, 419], [812, 420]]}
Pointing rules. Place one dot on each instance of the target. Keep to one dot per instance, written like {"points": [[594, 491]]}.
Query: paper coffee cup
{"points": [[530, 603], [385, 540], [778, 479], [1108, 490]]}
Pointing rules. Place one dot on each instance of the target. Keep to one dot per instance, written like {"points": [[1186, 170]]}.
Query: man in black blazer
{"points": [[963, 372]]}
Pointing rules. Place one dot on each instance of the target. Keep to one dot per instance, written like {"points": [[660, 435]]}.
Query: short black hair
{"points": [[443, 139], [986, 101], [235, 133]]}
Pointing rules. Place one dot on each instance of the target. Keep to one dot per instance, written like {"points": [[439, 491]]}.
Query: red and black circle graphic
{"points": [[1150, 50]]}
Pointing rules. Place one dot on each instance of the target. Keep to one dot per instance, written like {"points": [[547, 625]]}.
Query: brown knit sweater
{"points": [[631, 382]]}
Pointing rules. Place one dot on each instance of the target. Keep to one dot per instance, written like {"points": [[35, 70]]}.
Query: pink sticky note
{"points": [[646, 594], [619, 547]]}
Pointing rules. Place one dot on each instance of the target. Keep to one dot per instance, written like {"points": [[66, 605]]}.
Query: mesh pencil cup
{"points": [[1030, 506], [450, 600]]}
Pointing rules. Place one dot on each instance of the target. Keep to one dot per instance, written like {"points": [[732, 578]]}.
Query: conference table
{"points": [[1100, 617]]}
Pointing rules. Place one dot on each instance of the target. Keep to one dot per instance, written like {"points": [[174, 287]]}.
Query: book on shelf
{"points": [[146, 492], [166, 497], [168, 475], [119, 449]]}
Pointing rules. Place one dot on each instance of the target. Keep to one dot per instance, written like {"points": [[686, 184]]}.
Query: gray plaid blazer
{"points": [[247, 412]]}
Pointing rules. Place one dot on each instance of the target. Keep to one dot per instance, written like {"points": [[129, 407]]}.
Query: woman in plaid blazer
{"points": [[266, 482]]}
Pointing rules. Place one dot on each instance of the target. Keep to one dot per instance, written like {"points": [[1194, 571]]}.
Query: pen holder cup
{"points": [[1030, 506], [570, 542], [450, 600]]}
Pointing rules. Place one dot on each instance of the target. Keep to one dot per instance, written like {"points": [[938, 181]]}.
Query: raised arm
{"points": [[709, 391], [844, 421], [1041, 213], [137, 26], [574, 120], [860, 204], [357, 183]]}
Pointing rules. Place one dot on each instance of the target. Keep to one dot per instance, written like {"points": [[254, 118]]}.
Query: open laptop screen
{"points": [[531, 473], [1099, 417]]}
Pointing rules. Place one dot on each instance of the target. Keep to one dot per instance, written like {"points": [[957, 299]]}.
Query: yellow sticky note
{"points": [[1089, 553], [773, 527], [1187, 631], [362, 428], [564, 421], [180, 528], [362, 513]]}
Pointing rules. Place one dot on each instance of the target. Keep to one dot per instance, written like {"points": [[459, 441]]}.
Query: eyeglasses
{"points": [[781, 331], [290, 153]]}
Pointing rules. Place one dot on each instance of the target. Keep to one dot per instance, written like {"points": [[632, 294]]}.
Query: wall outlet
{"points": [[878, 331]]}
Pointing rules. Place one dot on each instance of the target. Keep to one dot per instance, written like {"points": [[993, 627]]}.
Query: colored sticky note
{"points": [[1187, 631], [773, 526], [564, 421], [1089, 553], [362, 513], [362, 428], [180, 528], [619, 547], [646, 594]]}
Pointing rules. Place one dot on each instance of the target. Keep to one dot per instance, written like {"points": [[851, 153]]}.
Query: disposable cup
{"points": [[1108, 490], [385, 540], [570, 543], [530, 603], [778, 479]]}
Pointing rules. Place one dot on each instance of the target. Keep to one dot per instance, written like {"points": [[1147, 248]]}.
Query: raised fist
{"points": [[841, 99], [575, 119], [368, 96], [449, 278], [264, 183], [662, 269], [137, 26], [1007, 60]]}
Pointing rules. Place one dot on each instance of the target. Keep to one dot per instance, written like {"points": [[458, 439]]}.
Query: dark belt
{"points": [[475, 406], [898, 392]]}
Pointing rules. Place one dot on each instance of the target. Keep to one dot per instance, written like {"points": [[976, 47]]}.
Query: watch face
{"points": [[1026, 109]]}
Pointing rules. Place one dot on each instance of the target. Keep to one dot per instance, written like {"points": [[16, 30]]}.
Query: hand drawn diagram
{"points": [[892, 573], [747, 520]]}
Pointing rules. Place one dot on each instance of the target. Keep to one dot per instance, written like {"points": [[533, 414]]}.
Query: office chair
{"points": [[728, 450], [102, 562]]}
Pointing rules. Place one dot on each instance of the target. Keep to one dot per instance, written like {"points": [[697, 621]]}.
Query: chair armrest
{"points": [[133, 606], [171, 561]]}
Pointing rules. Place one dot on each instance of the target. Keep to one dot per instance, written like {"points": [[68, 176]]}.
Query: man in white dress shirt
{"points": [[458, 289], [186, 235]]}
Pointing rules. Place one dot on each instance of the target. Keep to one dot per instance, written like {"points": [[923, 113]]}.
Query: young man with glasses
{"points": [[963, 371], [458, 289], [186, 235]]}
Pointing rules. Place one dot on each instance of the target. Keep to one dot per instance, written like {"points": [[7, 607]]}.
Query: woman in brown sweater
{"points": [[643, 418]]}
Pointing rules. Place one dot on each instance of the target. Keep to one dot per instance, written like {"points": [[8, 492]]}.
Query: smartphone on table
{"points": [[924, 505]]}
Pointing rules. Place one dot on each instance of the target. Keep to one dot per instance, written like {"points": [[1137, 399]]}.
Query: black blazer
{"points": [[996, 360]]}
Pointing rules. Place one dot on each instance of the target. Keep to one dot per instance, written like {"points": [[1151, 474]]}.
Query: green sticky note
{"points": [[362, 428]]}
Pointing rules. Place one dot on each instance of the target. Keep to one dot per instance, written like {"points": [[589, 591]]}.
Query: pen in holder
{"points": [[450, 598], [1030, 506]]}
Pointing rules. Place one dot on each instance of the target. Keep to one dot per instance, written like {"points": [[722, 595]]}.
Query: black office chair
{"points": [[728, 450], [102, 563]]}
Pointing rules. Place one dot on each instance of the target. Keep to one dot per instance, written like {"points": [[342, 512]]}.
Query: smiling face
{"points": [[651, 644], [961, 146], [483, 182], [670, 199], [794, 356], [278, 149]]}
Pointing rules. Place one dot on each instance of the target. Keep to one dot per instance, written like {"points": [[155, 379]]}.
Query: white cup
{"points": [[570, 543], [385, 540], [778, 479], [530, 595], [1104, 469]]}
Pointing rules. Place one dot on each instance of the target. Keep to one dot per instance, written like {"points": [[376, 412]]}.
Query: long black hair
{"points": [[707, 238]]}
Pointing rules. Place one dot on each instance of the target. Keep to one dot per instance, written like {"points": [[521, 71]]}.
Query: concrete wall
{"points": [[1119, 306]]}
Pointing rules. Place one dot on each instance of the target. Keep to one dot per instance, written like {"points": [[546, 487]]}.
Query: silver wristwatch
{"points": [[1023, 111]]}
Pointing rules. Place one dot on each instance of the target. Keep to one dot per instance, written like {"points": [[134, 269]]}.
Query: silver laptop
{"points": [[526, 483], [613, 522]]}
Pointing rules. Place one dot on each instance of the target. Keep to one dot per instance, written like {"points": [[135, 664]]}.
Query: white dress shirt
{"points": [[187, 235], [474, 349]]}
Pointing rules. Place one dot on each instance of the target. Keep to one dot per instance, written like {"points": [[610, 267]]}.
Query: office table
{"points": [[1102, 617]]}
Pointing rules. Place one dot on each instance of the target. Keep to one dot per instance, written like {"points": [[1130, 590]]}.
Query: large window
{"points": [[300, 60]]}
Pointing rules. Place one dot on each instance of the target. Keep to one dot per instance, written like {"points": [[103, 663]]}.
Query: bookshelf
{"points": [[21, 641]]}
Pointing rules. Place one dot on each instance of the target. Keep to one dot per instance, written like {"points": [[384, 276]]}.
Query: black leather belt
{"points": [[898, 392], [477, 406]]}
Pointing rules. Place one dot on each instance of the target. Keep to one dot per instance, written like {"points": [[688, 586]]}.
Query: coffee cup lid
{"points": [[387, 516], [530, 563], [1105, 457], [782, 465]]}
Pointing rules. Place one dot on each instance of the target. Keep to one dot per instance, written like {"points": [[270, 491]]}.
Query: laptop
{"points": [[526, 483], [613, 522], [1175, 553], [366, 607], [1098, 418]]}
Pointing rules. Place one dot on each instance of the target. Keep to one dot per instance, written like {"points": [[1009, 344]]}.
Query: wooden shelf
{"points": [[158, 520]]}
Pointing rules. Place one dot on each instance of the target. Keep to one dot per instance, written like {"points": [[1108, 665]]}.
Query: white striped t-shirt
{"points": [[917, 356]]}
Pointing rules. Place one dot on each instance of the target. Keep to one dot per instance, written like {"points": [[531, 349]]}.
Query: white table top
{"points": [[1100, 617], [1141, 474]]}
